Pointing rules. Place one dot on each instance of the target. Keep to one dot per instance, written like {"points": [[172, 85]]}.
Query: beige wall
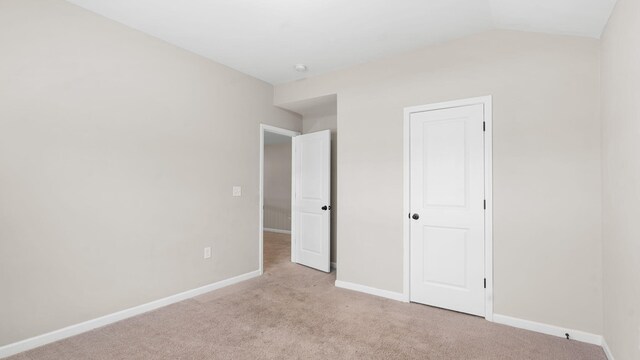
{"points": [[621, 197], [317, 122], [277, 186], [118, 153], [547, 178]]}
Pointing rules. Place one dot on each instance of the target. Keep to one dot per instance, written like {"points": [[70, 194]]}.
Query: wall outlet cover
{"points": [[237, 191]]}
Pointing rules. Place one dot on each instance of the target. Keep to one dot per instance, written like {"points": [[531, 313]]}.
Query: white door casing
{"points": [[447, 208], [311, 200]]}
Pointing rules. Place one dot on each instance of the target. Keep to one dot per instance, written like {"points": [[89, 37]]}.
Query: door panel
{"points": [[447, 192], [311, 233], [444, 163], [312, 194], [444, 256], [311, 160]]}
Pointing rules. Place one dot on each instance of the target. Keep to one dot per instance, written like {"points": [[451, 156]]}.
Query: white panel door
{"points": [[311, 200], [447, 208]]}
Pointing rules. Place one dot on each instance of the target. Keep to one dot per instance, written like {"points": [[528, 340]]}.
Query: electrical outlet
{"points": [[237, 191], [207, 252]]}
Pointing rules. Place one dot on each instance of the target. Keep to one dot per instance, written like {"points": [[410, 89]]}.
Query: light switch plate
{"points": [[237, 191], [207, 252]]}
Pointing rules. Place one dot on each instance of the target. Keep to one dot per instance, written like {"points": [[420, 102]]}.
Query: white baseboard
{"points": [[334, 266], [370, 290], [28, 344], [576, 335], [277, 231], [606, 349]]}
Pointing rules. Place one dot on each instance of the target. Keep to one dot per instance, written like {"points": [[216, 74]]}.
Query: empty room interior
{"points": [[409, 179]]}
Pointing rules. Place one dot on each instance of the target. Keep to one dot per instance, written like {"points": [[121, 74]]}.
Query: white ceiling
{"points": [[265, 38]]}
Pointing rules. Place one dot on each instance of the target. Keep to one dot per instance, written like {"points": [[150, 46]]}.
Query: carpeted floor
{"points": [[293, 312]]}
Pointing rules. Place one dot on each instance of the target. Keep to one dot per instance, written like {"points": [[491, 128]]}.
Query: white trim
{"points": [[261, 229], [40, 340], [406, 206], [553, 330], [486, 101], [606, 349], [488, 214], [294, 218], [278, 231], [370, 290]]}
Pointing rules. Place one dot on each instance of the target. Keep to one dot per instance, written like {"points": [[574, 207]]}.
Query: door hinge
{"points": [[484, 126], [485, 283], [485, 204]]}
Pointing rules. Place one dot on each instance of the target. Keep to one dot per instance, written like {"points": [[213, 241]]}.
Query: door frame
{"points": [[488, 169], [290, 133]]}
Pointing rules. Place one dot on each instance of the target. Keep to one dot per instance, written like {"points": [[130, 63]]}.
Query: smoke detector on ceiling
{"points": [[300, 67]]}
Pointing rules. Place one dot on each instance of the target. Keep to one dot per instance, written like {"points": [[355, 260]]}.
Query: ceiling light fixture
{"points": [[300, 67]]}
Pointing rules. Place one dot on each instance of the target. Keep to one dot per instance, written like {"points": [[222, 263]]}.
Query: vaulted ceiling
{"points": [[266, 38]]}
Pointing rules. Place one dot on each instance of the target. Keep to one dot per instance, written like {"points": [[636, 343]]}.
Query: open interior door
{"points": [[311, 200]]}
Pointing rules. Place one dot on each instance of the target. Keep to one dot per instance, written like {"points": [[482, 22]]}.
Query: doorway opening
{"points": [[276, 194], [319, 114], [312, 214]]}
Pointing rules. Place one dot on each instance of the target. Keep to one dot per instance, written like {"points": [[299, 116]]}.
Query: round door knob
{"points": [[324, 208], [416, 216]]}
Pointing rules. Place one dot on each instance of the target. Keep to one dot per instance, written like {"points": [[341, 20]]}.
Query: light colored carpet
{"points": [[293, 312]]}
